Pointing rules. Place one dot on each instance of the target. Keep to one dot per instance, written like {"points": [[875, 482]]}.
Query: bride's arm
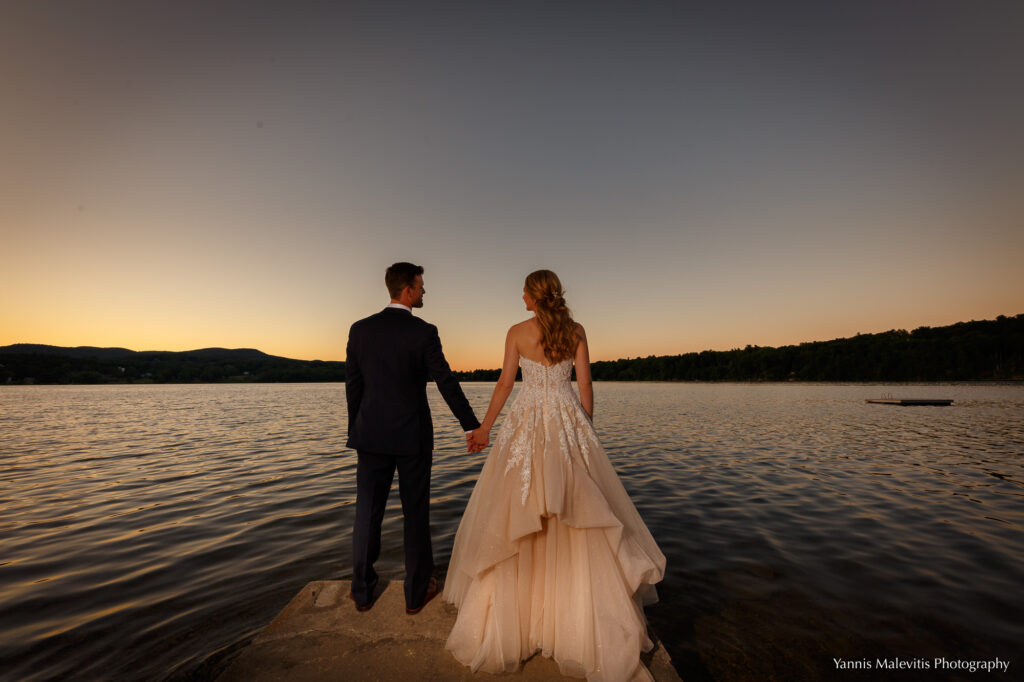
{"points": [[506, 382], [583, 382]]}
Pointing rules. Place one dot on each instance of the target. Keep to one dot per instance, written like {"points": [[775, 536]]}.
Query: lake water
{"points": [[149, 532]]}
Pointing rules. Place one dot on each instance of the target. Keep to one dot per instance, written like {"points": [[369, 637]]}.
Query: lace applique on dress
{"points": [[515, 437]]}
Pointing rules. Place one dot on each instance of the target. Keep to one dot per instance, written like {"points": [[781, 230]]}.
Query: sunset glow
{"points": [[241, 176]]}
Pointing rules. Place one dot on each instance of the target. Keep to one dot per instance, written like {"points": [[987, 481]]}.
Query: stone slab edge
{"points": [[320, 636]]}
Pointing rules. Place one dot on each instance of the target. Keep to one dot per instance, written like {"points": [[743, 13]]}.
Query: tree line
{"points": [[967, 351]]}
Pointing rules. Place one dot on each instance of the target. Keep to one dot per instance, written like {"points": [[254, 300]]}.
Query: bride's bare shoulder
{"points": [[523, 327]]}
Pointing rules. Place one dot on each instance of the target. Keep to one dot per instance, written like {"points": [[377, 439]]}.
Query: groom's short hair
{"points": [[399, 276]]}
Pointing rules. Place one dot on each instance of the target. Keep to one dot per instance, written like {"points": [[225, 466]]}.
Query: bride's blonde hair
{"points": [[557, 328]]}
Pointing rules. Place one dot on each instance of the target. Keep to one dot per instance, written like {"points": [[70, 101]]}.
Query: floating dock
{"points": [[911, 401], [319, 635]]}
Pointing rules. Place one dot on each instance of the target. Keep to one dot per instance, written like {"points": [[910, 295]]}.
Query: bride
{"points": [[551, 555]]}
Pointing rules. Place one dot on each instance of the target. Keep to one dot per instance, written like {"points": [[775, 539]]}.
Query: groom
{"points": [[390, 356]]}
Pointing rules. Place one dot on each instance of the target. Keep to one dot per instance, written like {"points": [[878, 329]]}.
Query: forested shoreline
{"points": [[987, 350], [991, 350]]}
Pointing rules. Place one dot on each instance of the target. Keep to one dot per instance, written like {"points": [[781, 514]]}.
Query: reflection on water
{"points": [[150, 531]]}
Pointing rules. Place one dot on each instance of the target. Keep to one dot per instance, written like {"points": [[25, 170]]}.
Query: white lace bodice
{"points": [[546, 417], [545, 382]]}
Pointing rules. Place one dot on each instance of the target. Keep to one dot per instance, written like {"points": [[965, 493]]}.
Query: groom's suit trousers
{"points": [[374, 475]]}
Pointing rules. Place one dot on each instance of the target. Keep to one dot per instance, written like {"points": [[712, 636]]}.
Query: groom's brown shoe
{"points": [[359, 608], [431, 593]]}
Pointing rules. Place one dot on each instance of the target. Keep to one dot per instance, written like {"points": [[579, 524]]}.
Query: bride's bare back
{"points": [[527, 338]]}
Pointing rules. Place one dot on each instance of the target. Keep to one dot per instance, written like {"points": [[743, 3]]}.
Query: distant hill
{"points": [[94, 352], [76, 352], [984, 350], [26, 363]]}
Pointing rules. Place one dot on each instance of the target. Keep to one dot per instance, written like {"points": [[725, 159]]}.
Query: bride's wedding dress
{"points": [[551, 555]]}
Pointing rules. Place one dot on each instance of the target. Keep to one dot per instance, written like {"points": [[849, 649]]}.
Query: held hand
{"points": [[479, 439], [471, 446]]}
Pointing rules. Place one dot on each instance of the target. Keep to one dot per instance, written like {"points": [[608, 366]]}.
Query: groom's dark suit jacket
{"points": [[390, 357]]}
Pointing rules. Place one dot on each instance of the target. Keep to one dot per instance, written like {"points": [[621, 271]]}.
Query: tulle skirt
{"points": [[552, 555]]}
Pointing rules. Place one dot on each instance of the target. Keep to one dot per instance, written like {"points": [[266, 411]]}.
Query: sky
{"points": [[181, 175]]}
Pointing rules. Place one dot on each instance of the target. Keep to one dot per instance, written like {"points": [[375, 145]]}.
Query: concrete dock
{"points": [[319, 635]]}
